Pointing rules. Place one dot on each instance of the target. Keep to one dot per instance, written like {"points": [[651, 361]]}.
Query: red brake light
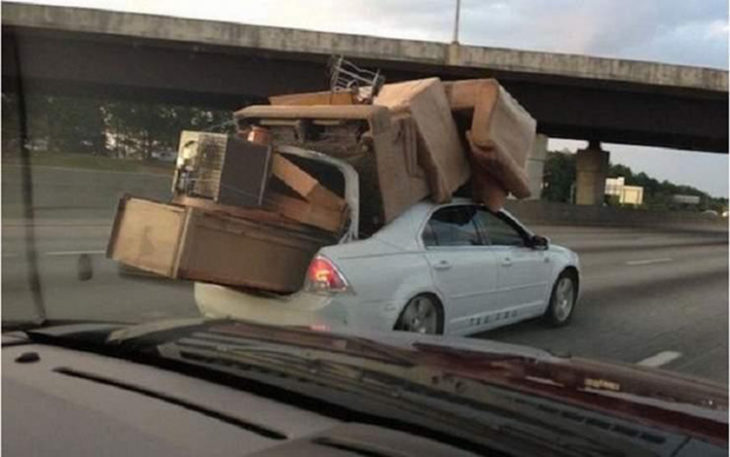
{"points": [[322, 275], [319, 327]]}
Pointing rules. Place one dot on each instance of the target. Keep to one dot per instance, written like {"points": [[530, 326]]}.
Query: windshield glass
{"points": [[164, 161]]}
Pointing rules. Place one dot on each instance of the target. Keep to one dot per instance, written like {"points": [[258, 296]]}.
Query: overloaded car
{"points": [[456, 268], [382, 213]]}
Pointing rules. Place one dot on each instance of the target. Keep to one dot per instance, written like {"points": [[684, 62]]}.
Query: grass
{"points": [[88, 161]]}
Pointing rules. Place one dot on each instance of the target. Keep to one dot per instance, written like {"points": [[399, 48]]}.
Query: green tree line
{"points": [[114, 128], [559, 181]]}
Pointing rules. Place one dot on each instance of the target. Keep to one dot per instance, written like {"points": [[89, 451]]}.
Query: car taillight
{"points": [[319, 327], [322, 276]]}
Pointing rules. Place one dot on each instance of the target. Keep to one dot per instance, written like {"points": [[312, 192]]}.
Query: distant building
{"points": [[614, 186], [627, 195]]}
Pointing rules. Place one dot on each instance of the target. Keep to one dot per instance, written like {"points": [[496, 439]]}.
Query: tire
{"points": [[422, 314], [562, 300]]}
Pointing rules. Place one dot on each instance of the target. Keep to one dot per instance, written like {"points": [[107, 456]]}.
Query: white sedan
{"points": [[443, 269]]}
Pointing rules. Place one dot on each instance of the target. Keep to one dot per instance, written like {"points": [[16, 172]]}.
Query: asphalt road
{"points": [[648, 296], [651, 297]]}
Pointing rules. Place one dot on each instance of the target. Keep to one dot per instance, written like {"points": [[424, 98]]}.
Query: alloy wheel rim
{"points": [[564, 299], [420, 316]]}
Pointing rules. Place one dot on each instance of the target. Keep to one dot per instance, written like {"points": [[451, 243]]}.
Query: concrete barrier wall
{"points": [[551, 213]]}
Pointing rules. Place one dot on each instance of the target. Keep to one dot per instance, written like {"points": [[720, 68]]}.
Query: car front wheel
{"points": [[562, 300]]}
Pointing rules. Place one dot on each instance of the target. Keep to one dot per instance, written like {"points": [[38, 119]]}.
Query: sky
{"points": [[689, 32]]}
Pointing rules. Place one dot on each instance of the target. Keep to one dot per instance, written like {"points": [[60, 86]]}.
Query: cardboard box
{"points": [[305, 185], [189, 243], [331, 220], [440, 150], [223, 168]]}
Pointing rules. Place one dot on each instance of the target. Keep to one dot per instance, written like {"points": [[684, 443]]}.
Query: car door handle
{"points": [[442, 265], [507, 262]]}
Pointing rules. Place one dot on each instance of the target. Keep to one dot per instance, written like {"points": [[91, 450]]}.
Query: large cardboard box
{"points": [[440, 150], [189, 243]]}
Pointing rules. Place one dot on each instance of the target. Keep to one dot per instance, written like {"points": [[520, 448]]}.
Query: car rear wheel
{"points": [[422, 314], [562, 300]]}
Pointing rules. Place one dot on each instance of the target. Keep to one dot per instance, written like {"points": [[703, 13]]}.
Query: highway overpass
{"points": [[218, 64]]}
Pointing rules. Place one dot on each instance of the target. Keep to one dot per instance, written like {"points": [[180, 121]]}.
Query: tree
{"points": [[559, 177], [125, 128], [618, 171], [66, 124], [138, 129]]}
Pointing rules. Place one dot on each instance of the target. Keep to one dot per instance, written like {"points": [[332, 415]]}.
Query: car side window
{"points": [[498, 231], [452, 226]]}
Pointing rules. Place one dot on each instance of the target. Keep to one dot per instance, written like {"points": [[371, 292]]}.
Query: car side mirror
{"points": [[539, 242]]}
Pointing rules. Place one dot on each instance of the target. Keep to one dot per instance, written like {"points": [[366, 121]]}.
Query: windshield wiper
{"points": [[462, 409]]}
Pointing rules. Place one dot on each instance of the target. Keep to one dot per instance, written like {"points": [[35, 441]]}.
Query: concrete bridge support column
{"points": [[591, 170], [536, 164]]}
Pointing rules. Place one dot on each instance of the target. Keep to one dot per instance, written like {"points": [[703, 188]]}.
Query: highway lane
{"points": [[108, 295], [644, 292], [639, 299]]}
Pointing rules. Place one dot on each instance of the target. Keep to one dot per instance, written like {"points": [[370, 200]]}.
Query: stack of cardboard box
{"points": [[247, 215]]}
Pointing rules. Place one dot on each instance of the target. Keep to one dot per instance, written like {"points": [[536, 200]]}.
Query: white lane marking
{"points": [[659, 359], [75, 252], [9, 254], [649, 261]]}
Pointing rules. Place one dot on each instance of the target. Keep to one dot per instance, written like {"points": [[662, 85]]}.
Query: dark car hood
{"points": [[461, 367]]}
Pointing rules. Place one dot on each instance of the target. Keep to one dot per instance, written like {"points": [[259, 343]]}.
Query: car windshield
{"points": [[457, 171]]}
